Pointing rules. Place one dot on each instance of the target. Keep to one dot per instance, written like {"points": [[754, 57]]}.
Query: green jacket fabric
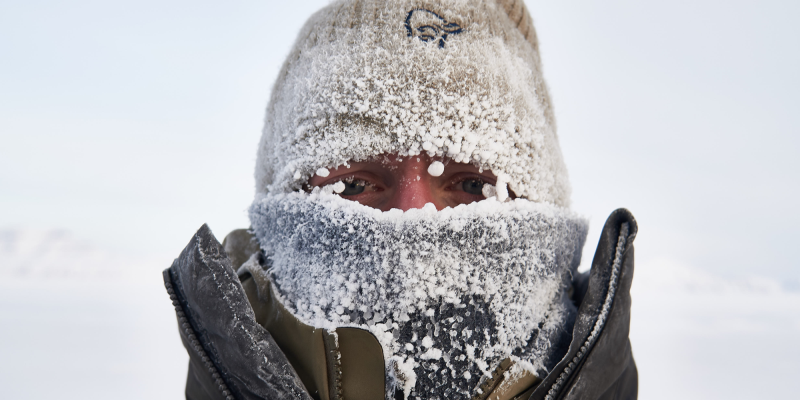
{"points": [[244, 345]]}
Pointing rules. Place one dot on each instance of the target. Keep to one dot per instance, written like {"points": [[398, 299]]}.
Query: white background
{"points": [[126, 125]]}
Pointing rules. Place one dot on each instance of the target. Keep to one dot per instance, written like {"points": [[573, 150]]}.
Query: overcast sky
{"points": [[131, 123]]}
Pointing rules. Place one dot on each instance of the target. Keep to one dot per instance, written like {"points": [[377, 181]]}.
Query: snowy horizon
{"points": [[684, 321], [61, 255]]}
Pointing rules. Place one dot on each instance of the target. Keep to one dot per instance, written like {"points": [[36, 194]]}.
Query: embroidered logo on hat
{"points": [[429, 26]]}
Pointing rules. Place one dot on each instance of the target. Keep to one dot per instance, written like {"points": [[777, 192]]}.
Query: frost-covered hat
{"points": [[459, 79]]}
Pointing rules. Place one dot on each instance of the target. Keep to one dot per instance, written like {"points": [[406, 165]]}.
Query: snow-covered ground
{"points": [[699, 336], [78, 321], [96, 340], [81, 322]]}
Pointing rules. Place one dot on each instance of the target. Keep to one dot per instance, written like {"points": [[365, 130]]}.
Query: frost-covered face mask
{"points": [[448, 294]]}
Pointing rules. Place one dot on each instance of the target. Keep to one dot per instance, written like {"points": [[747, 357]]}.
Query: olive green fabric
{"points": [[346, 364], [240, 244], [363, 371], [499, 387], [302, 344]]}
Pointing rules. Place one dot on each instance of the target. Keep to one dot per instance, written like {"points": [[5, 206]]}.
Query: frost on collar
{"points": [[447, 293], [363, 81]]}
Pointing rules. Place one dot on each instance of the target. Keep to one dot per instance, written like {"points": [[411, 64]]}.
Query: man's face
{"points": [[391, 181]]}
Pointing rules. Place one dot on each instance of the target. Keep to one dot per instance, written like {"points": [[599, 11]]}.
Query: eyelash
{"points": [[351, 179], [461, 180]]}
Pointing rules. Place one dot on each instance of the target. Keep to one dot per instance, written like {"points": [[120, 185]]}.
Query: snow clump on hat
{"points": [[460, 79]]}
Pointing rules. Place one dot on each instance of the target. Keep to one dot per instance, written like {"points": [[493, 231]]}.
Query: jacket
{"points": [[244, 345]]}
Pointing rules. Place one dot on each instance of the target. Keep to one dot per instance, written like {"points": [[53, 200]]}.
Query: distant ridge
{"points": [[59, 254]]}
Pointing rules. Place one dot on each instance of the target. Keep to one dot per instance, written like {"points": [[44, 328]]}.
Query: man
{"points": [[411, 234]]}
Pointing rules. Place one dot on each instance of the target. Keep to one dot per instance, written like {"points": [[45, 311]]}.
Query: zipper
{"points": [[189, 333], [334, 359], [601, 319]]}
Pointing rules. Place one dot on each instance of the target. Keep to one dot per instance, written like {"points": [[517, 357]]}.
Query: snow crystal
{"points": [[432, 354], [436, 168], [518, 369], [402, 375], [488, 190], [453, 290], [338, 187], [501, 187], [427, 342], [323, 172]]}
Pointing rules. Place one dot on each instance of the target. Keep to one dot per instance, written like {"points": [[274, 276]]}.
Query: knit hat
{"points": [[451, 78]]}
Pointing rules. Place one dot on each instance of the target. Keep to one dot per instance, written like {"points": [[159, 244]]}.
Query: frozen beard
{"points": [[449, 294]]}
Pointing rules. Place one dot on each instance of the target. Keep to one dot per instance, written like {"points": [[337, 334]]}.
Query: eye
{"points": [[353, 187], [473, 186]]}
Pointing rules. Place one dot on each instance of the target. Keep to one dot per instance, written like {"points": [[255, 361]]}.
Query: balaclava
{"points": [[451, 293]]}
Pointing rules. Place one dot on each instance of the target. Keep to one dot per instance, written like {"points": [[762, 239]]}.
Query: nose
{"points": [[414, 188]]}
